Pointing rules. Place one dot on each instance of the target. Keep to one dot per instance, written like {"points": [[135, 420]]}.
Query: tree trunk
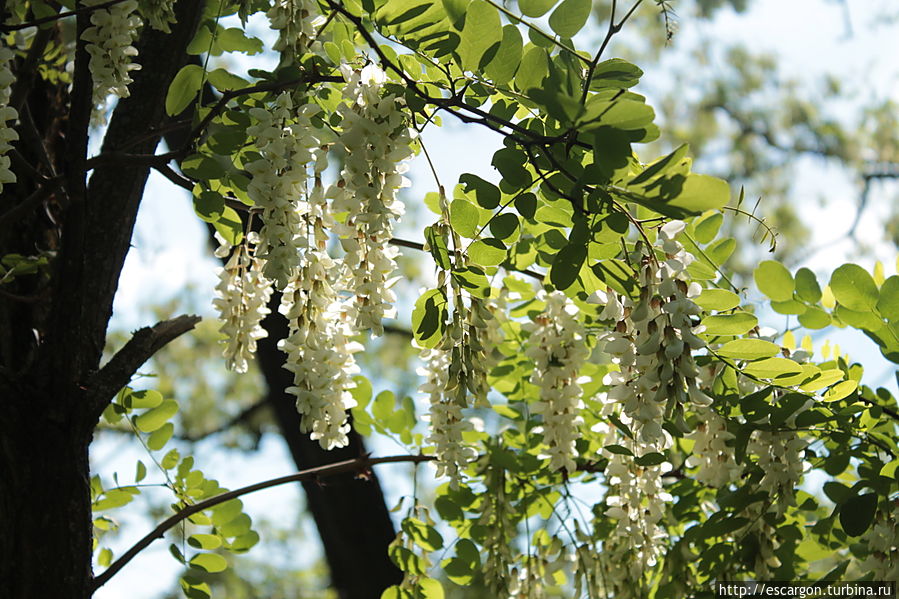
{"points": [[45, 504]]}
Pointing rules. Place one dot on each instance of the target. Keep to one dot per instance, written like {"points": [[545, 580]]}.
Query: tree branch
{"points": [[57, 17], [103, 385], [360, 464]]}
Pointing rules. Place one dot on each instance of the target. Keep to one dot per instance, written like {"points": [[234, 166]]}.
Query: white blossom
{"points": [[109, 40], [8, 116], [779, 457], [558, 348], [297, 22], [636, 501], [242, 303], [447, 423], [376, 140], [712, 457], [159, 13], [286, 140], [319, 351]]}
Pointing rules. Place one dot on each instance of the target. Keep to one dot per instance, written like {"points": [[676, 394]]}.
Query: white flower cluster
{"points": [[711, 455], [158, 13], [296, 22], [286, 139], [558, 348], [653, 339], [376, 141], [242, 302], [779, 457], [636, 501], [883, 545], [109, 42], [8, 116], [446, 420], [319, 351]]}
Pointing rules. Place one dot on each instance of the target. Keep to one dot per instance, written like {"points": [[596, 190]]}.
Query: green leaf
{"points": [[700, 193], [183, 89], [535, 8], [487, 252], [482, 30], [749, 349], [141, 472], [505, 63], [229, 226], [224, 80], [510, 164], [619, 449], [209, 205], [534, 68], [504, 226], [160, 436], [706, 226], [104, 558], [772, 368], [774, 280], [158, 416], [717, 299], [570, 17], [486, 194], [854, 288], [729, 324], [807, 287], [888, 300], [361, 391], [429, 318], [455, 10], [814, 318], [383, 406], [464, 217], [204, 541], [234, 39], [840, 391], [857, 514], [209, 562], [430, 588], [424, 535], [615, 73], [650, 459], [566, 265], [145, 398]]}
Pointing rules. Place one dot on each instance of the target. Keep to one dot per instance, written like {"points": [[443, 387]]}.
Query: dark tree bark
{"points": [[51, 385]]}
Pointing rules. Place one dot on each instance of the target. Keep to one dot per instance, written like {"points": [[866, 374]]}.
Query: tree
{"points": [[578, 307]]}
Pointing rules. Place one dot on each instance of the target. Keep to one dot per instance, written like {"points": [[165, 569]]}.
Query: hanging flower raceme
{"points": [[297, 23], [286, 140], [158, 13], [319, 351], [558, 348], [780, 459], [109, 40], [715, 461], [242, 302], [636, 501], [8, 116], [654, 338], [375, 138], [447, 423]]}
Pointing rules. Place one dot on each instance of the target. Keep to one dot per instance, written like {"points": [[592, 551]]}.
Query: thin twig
{"points": [[57, 17]]}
